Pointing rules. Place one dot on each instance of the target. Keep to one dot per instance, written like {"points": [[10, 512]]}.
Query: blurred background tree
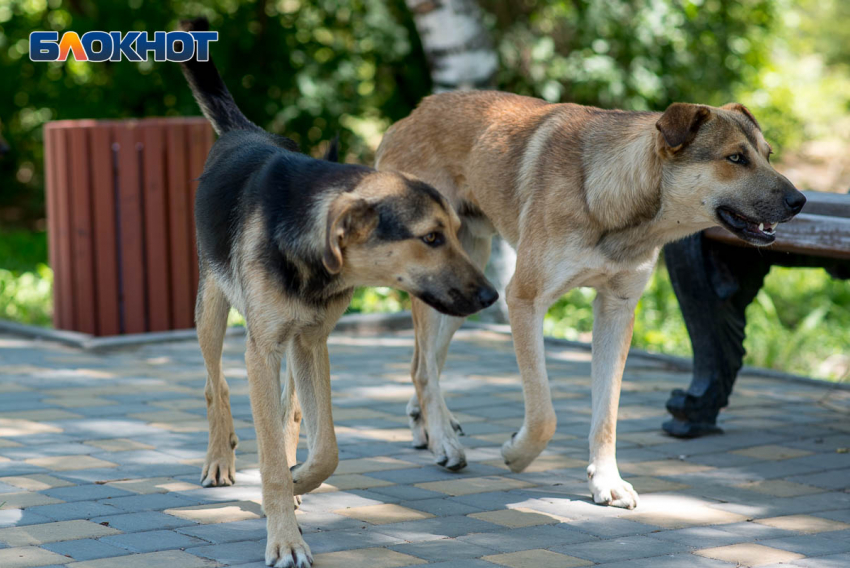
{"points": [[311, 69]]}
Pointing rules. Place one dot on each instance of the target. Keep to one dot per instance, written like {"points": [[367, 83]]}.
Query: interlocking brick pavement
{"points": [[100, 457]]}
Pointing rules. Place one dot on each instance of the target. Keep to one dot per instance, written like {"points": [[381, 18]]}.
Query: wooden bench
{"points": [[715, 276]]}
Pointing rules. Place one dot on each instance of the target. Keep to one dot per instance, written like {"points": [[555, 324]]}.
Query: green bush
{"points": [[26, 297]]}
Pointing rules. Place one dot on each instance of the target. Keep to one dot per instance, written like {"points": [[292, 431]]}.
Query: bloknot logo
{"points": [[99, 46]]}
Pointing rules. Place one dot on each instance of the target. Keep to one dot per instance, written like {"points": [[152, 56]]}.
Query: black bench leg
{"points": [[714, 284]]}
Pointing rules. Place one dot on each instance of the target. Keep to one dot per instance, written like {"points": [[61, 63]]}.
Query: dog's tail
{"points": [[212, 95]]}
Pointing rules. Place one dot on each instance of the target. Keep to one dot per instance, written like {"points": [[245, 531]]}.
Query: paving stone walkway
{"points": [[100, 456]]}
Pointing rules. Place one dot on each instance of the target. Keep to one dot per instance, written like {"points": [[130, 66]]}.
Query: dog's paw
{"points": [[220, 463], [219, 470], [608, 488], [519, 451], [417, 425], [449, 452], [288, 553]]}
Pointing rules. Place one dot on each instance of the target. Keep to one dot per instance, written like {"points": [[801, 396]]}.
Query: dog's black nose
{"points": [[487, 296], [795, 202]]}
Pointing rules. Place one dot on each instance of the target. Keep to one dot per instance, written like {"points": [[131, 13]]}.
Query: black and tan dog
{"points": [[284, 239], [586, 197]]}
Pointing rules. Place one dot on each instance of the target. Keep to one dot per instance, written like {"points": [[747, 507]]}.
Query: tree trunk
{"points": [[461, 55]]}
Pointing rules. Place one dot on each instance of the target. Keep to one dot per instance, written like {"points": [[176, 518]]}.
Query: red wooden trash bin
{"points": [[121, 229]]}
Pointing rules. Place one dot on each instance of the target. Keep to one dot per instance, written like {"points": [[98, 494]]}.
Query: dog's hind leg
{"points": [[613, 320], [308, 355], [291, 416], [211, 317], [431, 422]]}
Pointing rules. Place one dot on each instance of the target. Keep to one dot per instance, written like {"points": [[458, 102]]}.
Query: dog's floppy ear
{"points": [[350, 220], [738, 107], [680, 123]]}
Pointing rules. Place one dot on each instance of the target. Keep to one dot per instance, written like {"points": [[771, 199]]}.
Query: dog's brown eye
{"points": [[433, 239]]}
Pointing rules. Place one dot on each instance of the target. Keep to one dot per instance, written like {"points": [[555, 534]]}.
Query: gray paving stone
{"points": [[513, 540], [75, 510], [232, 552], [145, 521], [836, 479], [832, 561], [624, 548], [809, 545], [350, 539], [702, 537], [441, 507], [407, 492], [87, 492], [670, 561], [152, 541], [463, 563], [21, 517], [435, 528], [154, 502], [252, 529], [447, 549], [84, 549], [609, 528]]}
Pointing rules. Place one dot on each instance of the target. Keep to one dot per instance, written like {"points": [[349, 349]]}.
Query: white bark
{"points": [[456, 43], [461, 54]]}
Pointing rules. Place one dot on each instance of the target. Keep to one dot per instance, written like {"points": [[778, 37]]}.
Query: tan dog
{"points": [[284, 239], [586, 197]]}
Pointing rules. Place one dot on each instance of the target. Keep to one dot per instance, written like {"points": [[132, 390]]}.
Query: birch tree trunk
{"points": [[461, 55]]}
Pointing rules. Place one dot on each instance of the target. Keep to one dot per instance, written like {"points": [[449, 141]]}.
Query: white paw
{"points": [[288, 553], [296, 500], [608, 488], [520, 450]]}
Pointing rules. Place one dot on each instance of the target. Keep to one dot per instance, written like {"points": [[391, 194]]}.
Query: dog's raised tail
{"points": [[212, 95]]}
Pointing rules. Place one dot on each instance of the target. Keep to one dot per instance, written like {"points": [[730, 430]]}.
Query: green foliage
{"points": [[26, 282], [633, 54], [799, 322], [27, 297], [306, 69]]}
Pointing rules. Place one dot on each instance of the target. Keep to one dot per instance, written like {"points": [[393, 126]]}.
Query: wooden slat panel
{"points": [[197, 156], [54, 258], [156, 226], [131, 236], [63, 274], [179, 229], [105, 237], [81, 231], [815, 235]]}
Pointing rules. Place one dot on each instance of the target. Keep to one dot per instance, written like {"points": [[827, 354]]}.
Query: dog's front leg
{"points": [[613, 320], [311, 371], [285, 548], [540, 420]]}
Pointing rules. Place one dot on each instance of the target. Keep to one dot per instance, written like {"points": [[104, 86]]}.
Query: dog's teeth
{"points": [[761, 226]]}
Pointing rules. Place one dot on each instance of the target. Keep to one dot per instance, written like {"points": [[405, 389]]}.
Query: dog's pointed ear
{"points": [[738, 107], [680, 123], [350, 220]]}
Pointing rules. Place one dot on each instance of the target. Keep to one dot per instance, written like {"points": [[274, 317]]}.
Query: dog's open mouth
{"points": [[756, 232]]}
